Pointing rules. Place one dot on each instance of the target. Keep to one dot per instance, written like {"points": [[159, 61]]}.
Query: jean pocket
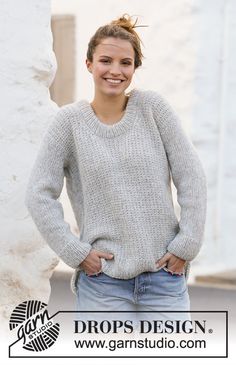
{"points": [[94, 275], [171, 272]]}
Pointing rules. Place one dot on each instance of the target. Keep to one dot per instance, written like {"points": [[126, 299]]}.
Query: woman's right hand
{"points": [[92, 263]]}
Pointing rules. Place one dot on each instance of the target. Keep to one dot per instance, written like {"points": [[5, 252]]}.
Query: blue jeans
{"points": [[149, 291]]}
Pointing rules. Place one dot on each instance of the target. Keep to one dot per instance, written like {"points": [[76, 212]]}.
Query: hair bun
{"points": [[125, 21]]}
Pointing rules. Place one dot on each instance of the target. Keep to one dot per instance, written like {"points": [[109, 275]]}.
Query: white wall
{"points": [[27, 67], [213, 127]]}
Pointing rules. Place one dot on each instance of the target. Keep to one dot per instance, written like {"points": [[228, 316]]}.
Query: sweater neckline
{"points": [[105, 130]]}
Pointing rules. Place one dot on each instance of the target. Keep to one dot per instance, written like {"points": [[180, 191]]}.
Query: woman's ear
{"points": [[88, 64]]}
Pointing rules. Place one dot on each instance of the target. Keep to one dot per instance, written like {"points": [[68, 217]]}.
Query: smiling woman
{"points": [[113, 55], [119, 184], [112, 73]]}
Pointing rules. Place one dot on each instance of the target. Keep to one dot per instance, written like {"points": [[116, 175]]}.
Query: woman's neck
{"points": [[108, 108]]}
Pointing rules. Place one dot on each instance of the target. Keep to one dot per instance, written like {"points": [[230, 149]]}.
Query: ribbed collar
{"points": [[105, 130]]}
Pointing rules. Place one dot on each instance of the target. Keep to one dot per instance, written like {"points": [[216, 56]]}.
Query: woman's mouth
{"points": [[114, 81]]}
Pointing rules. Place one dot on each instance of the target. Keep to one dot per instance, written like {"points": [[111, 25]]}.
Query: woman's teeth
{"points": [[114, 81]]}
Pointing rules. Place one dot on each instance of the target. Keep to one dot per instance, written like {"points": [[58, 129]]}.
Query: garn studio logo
{"points": [[34, 325]]}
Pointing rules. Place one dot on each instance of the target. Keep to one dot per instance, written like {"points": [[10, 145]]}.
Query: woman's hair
{"points": [[122, 28]]}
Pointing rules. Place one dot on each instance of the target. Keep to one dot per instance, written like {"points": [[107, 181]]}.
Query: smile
{"points": [[112, 81]]}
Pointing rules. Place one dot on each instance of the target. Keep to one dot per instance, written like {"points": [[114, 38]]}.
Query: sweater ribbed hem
{"points": [[80, 252], [109, 270], [184, 247]]}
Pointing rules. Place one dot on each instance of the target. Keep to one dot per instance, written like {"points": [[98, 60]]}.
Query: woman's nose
{"points": [[115, 70]]}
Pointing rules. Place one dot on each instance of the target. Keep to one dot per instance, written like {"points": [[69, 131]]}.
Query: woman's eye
{"points": [[124, 63]]}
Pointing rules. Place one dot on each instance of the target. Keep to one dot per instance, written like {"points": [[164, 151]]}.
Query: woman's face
{"points": [[113, 66]]}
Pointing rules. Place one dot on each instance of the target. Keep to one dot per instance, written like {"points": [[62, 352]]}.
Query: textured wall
{"points": [[213, 126], [27, 68]]}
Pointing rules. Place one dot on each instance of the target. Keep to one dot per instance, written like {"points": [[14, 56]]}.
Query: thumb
{"points": [[163, 260], [106, 255]]}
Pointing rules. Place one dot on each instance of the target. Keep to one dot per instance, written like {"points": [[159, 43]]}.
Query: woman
{"points": [[118, 154]]}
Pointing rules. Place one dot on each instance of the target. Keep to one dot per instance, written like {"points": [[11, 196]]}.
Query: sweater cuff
{"points": [[184, 247], [74, 253]]}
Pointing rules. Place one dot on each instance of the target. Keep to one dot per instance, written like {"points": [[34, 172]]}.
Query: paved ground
{"points": [[226, 278]]}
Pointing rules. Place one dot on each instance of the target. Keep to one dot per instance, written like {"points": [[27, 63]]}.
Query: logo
{"points": [[34, 326]]}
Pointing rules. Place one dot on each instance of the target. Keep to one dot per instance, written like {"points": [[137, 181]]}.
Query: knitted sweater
{"points": [[118, 180]]}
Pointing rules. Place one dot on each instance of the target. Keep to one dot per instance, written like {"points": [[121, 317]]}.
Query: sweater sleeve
{"points": [[189, 179], [44, 188]]}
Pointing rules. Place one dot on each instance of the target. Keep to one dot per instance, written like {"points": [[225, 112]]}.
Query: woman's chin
{"points": [[110, 92]]}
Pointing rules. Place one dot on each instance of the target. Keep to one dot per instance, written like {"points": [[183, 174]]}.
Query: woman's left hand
{"points": [[174, 264]]}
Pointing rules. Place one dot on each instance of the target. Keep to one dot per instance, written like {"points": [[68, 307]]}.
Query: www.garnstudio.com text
{"points": [[161, 343]]}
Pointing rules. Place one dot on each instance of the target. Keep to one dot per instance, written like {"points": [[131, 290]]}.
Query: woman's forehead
{"points": [[115, 45]]}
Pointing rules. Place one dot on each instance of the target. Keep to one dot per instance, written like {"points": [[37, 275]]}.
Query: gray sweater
{"points": [[118, 179]]}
